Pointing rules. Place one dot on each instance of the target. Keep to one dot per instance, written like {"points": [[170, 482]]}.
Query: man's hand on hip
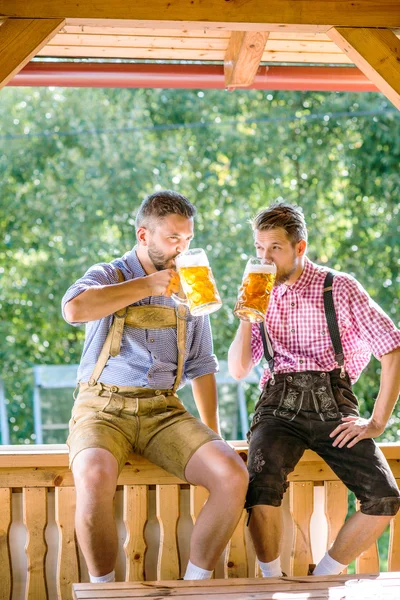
{"points": [[353, 429]]}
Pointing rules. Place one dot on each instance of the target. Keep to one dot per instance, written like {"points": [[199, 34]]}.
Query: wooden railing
{"points": [[155, 513]]}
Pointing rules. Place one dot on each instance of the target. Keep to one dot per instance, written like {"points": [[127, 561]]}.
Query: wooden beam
{"points": [[21, 40], [242, 57], [376, 52], [345, 13]]}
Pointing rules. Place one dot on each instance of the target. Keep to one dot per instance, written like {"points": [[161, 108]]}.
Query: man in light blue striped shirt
{"points": [[133, 361]]}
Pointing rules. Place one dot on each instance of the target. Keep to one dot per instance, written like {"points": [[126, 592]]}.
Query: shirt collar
{"points": [[303, 281], [134, 264]]}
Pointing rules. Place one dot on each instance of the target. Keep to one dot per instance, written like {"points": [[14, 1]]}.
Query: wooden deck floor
{"points": [[284, 588]]}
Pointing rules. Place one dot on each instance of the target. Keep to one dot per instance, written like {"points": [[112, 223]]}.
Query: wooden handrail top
{"points": [[51, 464]]}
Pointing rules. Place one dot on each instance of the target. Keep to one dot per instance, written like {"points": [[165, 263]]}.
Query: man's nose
{"points": [[182, 246]]}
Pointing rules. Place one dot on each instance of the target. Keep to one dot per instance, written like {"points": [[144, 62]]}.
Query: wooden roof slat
{"points": [[187, 54], [197, 25], [344, 13], [105, 30], [154, 41], [376, 52], [20, 40]]}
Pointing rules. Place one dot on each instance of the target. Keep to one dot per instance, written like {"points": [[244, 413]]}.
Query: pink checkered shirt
{"points": [[299, 332]]}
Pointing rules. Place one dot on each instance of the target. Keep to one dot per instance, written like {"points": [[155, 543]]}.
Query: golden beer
{"points": [[255, 291], [197, 282]]}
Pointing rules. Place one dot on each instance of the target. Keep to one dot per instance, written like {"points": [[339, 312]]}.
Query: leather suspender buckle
{"points": [[184, 317]]}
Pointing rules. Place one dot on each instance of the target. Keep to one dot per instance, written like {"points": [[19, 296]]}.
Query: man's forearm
{"points": [[206, 398], [389, 389], [98, 302], [240, 361]]}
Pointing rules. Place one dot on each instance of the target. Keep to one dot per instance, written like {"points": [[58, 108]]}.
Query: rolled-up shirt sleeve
{"points": [[200, 359], [367, 318], [98, 275]]}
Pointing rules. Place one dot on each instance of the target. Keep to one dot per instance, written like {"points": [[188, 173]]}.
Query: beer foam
{"points": [[187, 259], [269, 269]]}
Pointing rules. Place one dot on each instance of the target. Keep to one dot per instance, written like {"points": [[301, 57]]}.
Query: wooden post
{"points": [[301, 509], [135, 519], [242, 57], [5, 560], [35, 519], [167, 508], [67, 561]]}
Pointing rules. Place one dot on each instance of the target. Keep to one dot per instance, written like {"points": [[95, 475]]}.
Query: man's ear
{"points": [[301, 247], [142, 236]]}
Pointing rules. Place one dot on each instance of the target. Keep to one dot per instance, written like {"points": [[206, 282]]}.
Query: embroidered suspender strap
{"points": [[181, 339], [268, 349], [117, 327], [331, 319], [110, 343]]}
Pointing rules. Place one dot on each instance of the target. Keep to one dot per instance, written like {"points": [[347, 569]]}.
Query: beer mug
{"points": [[197, 282], [255, 290]]}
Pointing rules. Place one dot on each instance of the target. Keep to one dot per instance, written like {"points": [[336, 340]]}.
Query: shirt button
{"points": [[301, 361], [292, 304], [151, 340], [292, 330], [114, 388], [289, 378]]}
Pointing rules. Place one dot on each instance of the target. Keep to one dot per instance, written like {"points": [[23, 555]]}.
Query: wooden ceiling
{"points": [[241, 34], [187, 44]]}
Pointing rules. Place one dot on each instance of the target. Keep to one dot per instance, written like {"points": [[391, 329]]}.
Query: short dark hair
{"points": [[289, 217], [161, 204]]}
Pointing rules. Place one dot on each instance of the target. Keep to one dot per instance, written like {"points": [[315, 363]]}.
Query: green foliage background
{"points": [[75, 164]]}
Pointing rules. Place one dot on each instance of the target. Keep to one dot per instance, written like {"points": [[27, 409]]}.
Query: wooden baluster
{"points": [[5, 559], [394, 542], [236, 555], [135, 519], [336, 508], [198, 498], [67, 560], [301, 509], [368, 561], [35, 520], [167, 510]]}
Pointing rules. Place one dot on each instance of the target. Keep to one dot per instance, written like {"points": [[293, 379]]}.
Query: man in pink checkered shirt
{"points": [[307, 400]]}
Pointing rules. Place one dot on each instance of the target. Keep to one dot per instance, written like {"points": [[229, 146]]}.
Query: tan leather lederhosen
{"points": [[152, 316]]}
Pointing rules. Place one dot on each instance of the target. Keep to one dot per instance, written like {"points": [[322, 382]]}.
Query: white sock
{"points": [[193, 572], [328, 566], [103, 578], [271, 569]]}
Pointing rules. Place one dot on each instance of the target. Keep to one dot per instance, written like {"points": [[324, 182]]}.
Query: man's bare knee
{"points": [[219, 467], [95, 471]]}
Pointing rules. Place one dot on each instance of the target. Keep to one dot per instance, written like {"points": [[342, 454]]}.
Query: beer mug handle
{"points": [[179, 300]]}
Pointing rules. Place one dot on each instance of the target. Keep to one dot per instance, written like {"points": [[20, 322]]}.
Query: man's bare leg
{"points": [[95, 473], [266, 530], [220, 470], [356, 535]]}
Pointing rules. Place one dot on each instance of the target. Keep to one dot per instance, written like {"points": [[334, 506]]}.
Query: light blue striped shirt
{"points": [[148, 357]]}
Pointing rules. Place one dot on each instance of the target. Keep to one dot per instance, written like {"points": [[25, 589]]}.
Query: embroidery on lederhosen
{"points": [[291, 401], [326, 403], [302, 380], [258, 461]]}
